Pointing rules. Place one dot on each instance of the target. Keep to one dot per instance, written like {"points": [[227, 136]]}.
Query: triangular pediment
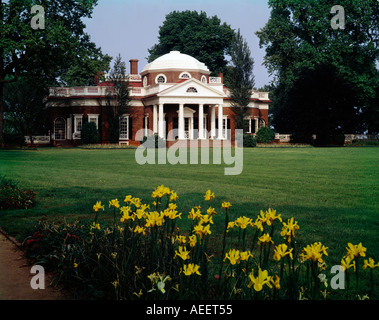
{"points": [[191, 88]]}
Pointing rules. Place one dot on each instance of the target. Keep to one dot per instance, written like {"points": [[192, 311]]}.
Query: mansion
{"points": [[174, 97]]}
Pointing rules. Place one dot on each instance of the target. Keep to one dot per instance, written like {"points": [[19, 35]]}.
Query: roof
{"points": [[176, 60]]}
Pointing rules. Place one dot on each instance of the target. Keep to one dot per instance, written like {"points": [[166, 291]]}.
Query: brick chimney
{"points": [[133, 66], [221, 75]]}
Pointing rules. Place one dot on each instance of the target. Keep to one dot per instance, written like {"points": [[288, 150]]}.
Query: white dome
{"points": [[176, 60]]}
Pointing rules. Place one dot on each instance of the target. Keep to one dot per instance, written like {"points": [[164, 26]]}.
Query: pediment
{"points": [[191, 88]]}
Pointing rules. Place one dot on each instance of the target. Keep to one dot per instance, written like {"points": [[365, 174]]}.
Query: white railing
{"points": [[351, 137], [38, 139], [283, 137], [215, 80]]}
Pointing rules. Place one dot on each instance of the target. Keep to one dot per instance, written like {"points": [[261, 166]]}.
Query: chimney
{"points": [[221, 75], [133, 66]]}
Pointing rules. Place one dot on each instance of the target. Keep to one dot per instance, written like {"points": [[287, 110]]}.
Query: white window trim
{"points": [[146, 128], [77, 134], [160, 75], [183, 73], [96, 116], [124, 136], [204, 79], [65, 131]]}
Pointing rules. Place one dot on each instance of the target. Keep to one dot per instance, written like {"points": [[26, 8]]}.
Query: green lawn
{"points": [[332, 192]]}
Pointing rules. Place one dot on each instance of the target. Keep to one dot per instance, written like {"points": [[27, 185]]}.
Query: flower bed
{"points": [[12, 197], [140, 252]]}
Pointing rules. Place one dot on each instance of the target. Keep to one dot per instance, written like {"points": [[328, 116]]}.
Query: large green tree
{"points": [[302, 45], [240, 78], [195, 34], [48, 51]]}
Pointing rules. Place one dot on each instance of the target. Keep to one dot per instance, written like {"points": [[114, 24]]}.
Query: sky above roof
{"points": [[131, 27]]}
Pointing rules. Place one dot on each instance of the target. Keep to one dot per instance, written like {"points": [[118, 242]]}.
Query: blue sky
{"points": [[131, 27]]}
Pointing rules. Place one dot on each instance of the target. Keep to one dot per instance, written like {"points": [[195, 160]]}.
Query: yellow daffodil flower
{"points": [[194, 215], [347, 263], [128, 199], [192, 240], [114, 203], [233, 255], [370, 263], [209, 195], [183, 253], [258, 282], [225, 205], [98, 206], [276, 283], [189, 269], [314, 252], [202, 231], [211, 211], [95, 226], [245, 255], [206, 219], [139, 230], [281, 251], [173, 196], [271, 216], [289, 228], [181, 239], [242, 222], [355, 251], [265, 239]]}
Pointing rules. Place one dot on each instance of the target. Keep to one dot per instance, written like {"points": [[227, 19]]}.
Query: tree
{"points": [[240, 78], [197, 35], [300, 43], [45, 53], [117, 98], [25, 107]]}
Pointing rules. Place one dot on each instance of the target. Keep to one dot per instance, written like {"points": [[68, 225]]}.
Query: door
{"points": [[187, 128]]}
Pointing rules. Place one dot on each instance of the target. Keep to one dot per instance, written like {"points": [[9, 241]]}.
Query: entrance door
{"points": [[187, 128]]}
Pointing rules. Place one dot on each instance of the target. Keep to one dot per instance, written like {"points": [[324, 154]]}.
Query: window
{"points": [[192, 90], [94, 118], [161, 78], [185, 75], [60, 129], [203, 79], [249, 125], [145, 81], [124, 127]]}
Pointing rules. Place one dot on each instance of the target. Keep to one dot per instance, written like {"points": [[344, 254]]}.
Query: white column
{"points": [[213, 122], [155, 119], [201, 121], [220, 121], [181, 122], [256, 120], [161, 122]]}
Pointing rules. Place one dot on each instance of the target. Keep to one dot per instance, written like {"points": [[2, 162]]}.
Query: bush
{"points": [[249, 141], [14, 139], [265, 135], [12, 197], [89, 133]]}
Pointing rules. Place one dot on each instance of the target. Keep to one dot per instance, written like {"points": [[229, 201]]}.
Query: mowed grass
{"points": [[332, 192]]}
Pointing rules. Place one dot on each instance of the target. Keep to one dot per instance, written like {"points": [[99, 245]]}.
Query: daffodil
{"points": [[262, 279], [126, 214], [276, 283], [206, 219], [114, 203], [173, 196], [211, 211], [183, 253], [98, 206], [265, 239], [242, 222], [154, 219], [370, 263], [136, 202], [128, 199], [245, 255], [347, 263], [95, 226], [202, 231], [226, 205], [189, 269], [314, 252], [194, 215], [355, 251], [281, 251], [192, 240], [209, 195], [271, 216], [139, 230], [233, 255], [289, 228], [181, 239]]}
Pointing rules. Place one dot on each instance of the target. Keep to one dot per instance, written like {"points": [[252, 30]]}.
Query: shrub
{"points": [[265, 135], [137, 251], [14, 139], [13, 197], [249, 141], [89, 133]]}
